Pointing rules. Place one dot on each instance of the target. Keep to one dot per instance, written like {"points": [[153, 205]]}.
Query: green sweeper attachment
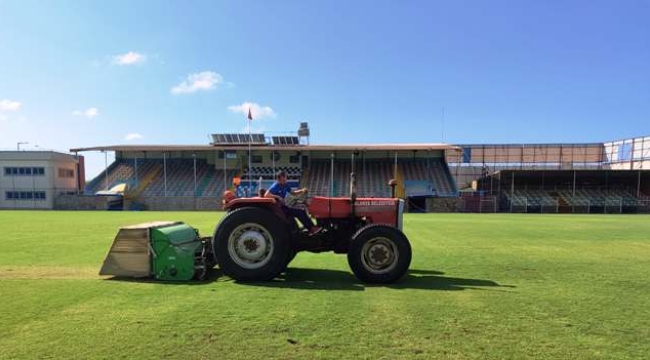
{"points": [[171, 251]]}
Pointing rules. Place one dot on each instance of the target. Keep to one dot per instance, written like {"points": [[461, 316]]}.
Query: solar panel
{"points": [[285, 140], [231, 139]]}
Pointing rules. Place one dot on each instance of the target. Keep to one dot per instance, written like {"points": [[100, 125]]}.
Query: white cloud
{"points": [[130, 58], [257, 111], [9, 105], [132, 136], [89, 113], [203, 81]]}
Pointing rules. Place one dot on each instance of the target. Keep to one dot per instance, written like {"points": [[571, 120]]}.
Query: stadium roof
{"points": [[346, 147], [35, 155]]}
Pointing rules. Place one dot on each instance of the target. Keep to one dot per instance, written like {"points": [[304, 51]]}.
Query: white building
{"points": [[32, 179]]}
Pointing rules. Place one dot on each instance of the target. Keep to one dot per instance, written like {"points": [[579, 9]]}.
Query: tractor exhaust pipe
{"points": [[392, 183]]}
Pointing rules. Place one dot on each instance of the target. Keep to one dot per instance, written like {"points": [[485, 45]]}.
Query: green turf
{"points": [[480, 286]]}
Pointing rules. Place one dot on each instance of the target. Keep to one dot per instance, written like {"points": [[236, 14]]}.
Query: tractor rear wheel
{"points": [[251, 244], [379, 254]]}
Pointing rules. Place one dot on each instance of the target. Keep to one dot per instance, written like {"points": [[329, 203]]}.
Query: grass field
{"points": [[480, 286]]}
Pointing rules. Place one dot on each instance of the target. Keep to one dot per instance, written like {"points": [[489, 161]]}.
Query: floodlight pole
{"points": [[20, 143]]}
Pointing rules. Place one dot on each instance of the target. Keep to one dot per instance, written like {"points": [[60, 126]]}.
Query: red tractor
{"points": [[256, 241]]}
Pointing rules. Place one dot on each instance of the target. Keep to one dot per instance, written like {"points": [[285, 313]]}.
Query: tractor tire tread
{"points": [[368, 232], [281, 244]]}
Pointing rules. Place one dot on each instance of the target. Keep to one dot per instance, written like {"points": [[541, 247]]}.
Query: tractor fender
{"points": [[253, 201], [259, 202]]}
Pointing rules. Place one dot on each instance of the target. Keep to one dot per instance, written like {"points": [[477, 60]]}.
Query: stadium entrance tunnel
{"points": [[417, 204]]}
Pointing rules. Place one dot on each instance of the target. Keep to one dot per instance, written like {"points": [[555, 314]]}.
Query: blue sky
{"points": [[86, 73]]}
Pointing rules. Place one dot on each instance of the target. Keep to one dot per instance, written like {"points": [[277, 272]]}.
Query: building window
{"points": [[24, 195], [294, 159], [256, 159], [66, 173], [229, 154], [24, 171]]}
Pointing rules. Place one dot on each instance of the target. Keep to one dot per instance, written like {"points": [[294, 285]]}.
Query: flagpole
{"points": [[250, 171]]}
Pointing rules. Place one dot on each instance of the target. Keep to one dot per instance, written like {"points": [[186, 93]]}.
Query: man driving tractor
{"points": [[279, 191]]}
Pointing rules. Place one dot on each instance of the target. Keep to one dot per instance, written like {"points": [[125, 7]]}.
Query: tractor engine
{"points": [[387, 211]]}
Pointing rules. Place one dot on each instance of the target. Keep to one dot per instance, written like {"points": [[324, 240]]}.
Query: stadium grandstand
{"points": [[432, 177], [610, 177], [205, 171]]}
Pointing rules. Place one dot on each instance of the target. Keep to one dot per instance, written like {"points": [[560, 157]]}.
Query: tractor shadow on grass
{"points": [[321, 279]]}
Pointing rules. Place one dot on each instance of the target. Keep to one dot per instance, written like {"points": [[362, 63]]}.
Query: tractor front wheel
{"points": [[251, 244], [379, 254]]}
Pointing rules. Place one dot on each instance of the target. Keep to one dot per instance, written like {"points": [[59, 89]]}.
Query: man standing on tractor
{"points": [[279, 191]]}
